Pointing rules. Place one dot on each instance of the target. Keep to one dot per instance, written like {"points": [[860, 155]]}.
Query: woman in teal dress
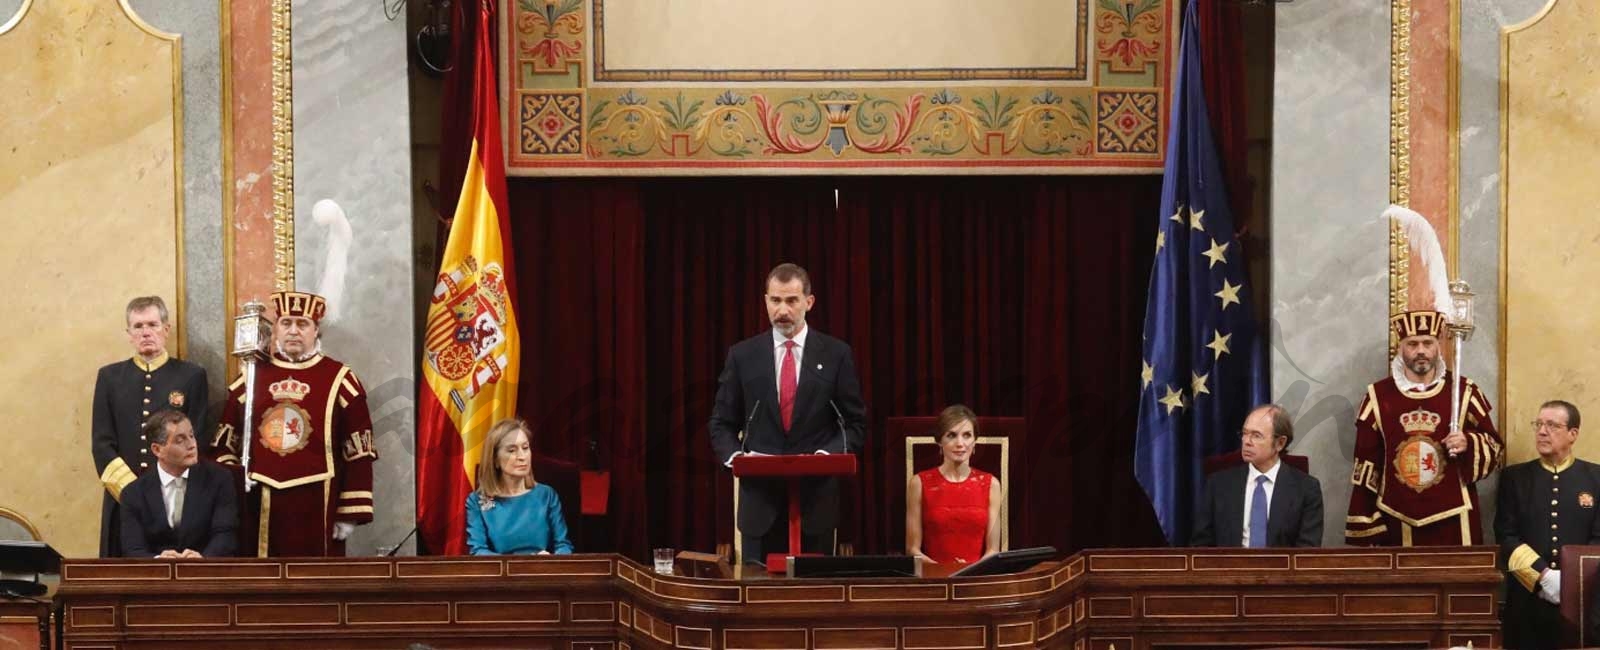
{"points": [[510, 513]]}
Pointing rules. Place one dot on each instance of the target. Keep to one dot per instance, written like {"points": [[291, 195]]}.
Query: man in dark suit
{"points": [[184, 509], [1263, 502], [790, 390]]}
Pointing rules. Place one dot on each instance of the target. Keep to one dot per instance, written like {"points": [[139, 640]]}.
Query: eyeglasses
{"points": [[1553, 426], [1253, 436]]}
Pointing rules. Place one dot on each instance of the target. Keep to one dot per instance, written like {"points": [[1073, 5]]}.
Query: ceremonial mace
{"points": [[1461, 327], [251, 333]]}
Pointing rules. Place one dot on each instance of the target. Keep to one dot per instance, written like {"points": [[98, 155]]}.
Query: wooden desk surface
{"points": [[1130, 599]]}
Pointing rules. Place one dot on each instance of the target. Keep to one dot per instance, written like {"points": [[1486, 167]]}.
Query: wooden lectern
{"points": [[792, 468]]}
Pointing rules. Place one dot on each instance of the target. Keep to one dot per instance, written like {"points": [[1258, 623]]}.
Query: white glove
{"points": [[1550, 587], [342, 530]]}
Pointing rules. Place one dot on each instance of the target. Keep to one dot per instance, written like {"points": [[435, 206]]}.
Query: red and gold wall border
{"points": [[282, 146], [1424, 135], [258, 152], [567, 113]]}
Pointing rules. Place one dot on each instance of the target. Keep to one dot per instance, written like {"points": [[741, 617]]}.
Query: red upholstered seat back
{"points": [[1219, 462]]}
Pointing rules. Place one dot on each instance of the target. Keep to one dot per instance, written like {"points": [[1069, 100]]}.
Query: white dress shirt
{"points": [[777, 369], [1249, 493], [169, 489], [777, 356]]}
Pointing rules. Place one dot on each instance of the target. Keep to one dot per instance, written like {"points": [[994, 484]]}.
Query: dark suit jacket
{"points": [[749, 384], [210, 515], [1293, 519]]}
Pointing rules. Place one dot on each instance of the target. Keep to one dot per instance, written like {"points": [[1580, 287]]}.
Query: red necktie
{"points": [[786, 385]]}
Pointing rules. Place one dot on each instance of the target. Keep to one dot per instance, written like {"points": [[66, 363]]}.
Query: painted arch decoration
{"points": [[706, 87]]}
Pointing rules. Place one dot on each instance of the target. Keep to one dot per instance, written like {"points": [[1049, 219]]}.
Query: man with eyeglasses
{"points": [[1543, 505], [125, 394], [1414, 479], [1263, 502]]}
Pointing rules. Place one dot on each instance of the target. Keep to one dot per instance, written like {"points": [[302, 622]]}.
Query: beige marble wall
{"points": [[1552, 245], [91, 176]]}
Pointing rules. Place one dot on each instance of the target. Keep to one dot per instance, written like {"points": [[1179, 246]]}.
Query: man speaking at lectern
{"points": [[791, 390]]}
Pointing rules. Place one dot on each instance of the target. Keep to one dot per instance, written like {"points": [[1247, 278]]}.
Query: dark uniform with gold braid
{"points": [[311, 453], [125, 393], [1408, 490], [1541, 508]]}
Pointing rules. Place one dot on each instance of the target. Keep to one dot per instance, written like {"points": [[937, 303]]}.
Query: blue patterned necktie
{"points": [[1258, 514]]}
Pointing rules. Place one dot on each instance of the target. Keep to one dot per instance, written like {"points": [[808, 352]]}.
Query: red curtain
{"points": [[1222, 46], [583, 320], [1016, 296]]}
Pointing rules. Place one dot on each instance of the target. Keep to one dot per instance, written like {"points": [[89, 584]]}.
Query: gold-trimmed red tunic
{"points": [[1408, 489], [311, 456]]}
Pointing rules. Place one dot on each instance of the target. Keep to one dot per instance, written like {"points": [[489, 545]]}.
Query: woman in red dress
{"points": [[953, 510]]}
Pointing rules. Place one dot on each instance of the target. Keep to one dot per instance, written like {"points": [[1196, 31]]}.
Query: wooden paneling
{"points": [[287, 614], [1209, 606], [1291, 605], [1128, 598], [511, 611], [157, 616], [871, 638], [971, 637]]}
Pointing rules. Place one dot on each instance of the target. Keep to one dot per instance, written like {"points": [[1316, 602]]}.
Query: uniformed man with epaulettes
{"points": [[125, 394], [1543, 505]]}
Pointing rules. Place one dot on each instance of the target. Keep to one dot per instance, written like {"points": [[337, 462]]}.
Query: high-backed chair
{"points": [[912, 448], [16, 528], [562, 477]]}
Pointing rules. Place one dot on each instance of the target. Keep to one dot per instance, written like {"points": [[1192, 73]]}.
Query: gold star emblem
{"points": [[1219, 343], [1173, 400], [1197, 384], [1229, 293], [1178, 216], [1148, 375], [1217, 253], [1194, 220], [1161, 240]]}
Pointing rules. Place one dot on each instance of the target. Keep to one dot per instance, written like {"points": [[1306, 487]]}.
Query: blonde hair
{"points": [[488, 466]]}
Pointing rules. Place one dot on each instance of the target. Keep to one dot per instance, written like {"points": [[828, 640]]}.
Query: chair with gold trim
{"points": [[16, 528], [912, 447]]}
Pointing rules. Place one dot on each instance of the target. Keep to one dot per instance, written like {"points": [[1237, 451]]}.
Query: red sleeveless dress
{"points": [[955, 516]]}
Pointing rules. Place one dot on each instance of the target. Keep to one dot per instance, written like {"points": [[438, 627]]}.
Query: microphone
{"points": [[396, 548], [844, 442], [744, 440]]}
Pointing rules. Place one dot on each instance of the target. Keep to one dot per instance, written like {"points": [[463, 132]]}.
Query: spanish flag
{"points": [[471, 349]]}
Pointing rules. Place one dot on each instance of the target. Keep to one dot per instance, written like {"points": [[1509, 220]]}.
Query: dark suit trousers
{"points": [[776, 540], [1529, 623]]}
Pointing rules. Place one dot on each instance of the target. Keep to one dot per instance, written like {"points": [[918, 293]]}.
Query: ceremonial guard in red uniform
{"points": [[1413, 478], [311, 448]]}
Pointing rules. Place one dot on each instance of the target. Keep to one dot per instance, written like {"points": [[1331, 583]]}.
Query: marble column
{"points": [[1330, 256], [353, 224], [200, 25]]}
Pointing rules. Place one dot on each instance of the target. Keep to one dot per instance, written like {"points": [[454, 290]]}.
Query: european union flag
{"points": [[1201, 370]]}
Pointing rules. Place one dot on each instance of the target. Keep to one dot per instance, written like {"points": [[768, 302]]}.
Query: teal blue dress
{"points": [[521, 525]]}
